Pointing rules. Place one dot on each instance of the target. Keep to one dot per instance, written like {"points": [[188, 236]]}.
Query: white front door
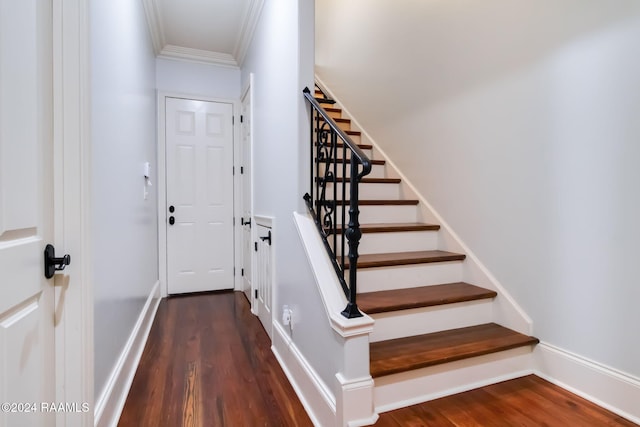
{"points": [[27, 352], [247, 215], [199, 152]]}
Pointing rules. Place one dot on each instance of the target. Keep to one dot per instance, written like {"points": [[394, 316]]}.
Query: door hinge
{"points": [[233, 170], [255, 245], [242, 272], [234, 221], [241, 170], [233, 120], [255, 292], [241, 118], [234, 272]]}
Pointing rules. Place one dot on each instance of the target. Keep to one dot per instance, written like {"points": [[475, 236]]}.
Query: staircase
{"points": [[434, 334]]}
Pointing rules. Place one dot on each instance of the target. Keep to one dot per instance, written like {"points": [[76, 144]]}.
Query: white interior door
{"points": [[27, 352], [247, 214], [199, 153]]}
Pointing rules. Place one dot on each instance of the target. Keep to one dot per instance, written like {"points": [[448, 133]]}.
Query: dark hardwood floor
{"points": [[208, 362], [528, 402]]}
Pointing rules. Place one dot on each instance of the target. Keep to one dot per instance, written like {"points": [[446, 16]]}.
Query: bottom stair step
{"points": [[405, 354]]}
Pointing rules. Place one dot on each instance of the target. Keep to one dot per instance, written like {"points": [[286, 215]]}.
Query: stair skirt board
{"points": [[408, 276], [401, 241], [421, 385], [418, 321]]}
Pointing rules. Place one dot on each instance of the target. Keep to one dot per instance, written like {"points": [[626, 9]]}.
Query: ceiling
{"points": [[210, 31]]}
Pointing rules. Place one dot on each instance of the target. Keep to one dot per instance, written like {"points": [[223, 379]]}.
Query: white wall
{"points": [[519, 122], [193, 78], [281, 59], [124, 226]]}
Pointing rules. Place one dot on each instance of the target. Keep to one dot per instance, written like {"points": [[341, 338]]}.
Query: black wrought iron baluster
{"points": [[334, 150], [318, 150], [311, 151], [344, 206], [353, 234]]}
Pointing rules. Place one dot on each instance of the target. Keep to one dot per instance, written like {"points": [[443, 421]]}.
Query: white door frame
{"points": [[248, 90], [162, 185], [72, 208]]}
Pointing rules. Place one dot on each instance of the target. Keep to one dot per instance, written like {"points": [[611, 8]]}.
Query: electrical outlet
{"points": [[286, 315]]}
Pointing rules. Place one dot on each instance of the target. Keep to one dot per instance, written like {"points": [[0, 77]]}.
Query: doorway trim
{"points": [[72, 208], [162, 182], [247, 90]]}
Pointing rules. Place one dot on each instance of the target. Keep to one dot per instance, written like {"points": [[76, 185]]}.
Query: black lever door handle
{"points": [[267, 238], [53, 264]]}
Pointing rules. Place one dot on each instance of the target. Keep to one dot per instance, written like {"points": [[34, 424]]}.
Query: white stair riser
{"points": [[406, 323], [367, 151], [421, 385], [408, 276], [386, 214], [401, 241], [369, 191], [377, 171]]}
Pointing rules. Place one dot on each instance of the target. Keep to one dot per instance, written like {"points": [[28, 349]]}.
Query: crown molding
{"points": [[155, 24], [197, 55], [249, 25]]}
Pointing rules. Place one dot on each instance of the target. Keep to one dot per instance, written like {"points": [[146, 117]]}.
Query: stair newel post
{"points": [[353, 235]]}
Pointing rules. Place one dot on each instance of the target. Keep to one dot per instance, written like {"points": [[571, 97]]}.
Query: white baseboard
{"points": [[109, 405], [317, 399], [616, 391]]}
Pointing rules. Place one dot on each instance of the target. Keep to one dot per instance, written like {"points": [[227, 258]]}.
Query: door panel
{"points": [[26, 208], [247, 214], [199, 151]]}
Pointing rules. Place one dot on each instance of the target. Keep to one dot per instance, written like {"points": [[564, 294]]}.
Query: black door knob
{"points": [[172, 209], [53, 264], [172, 220]]}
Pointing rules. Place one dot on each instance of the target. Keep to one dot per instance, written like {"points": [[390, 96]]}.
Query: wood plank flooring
{"points": [[526, 402], [208, 362]]}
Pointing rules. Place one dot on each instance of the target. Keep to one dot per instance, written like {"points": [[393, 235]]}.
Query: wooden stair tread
{"points": [[405, 258], [423, 296], [333, 110], [353, 132], [405, 354], [401, 226], [390, 202], [373, 162], [372, 180], [361, 146], [392, 227]]}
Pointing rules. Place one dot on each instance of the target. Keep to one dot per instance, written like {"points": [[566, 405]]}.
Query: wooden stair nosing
{"points": [[373, 162], [391, 202], [423, 296], [394, 227], [421, 351], [372, 180], [405, 258], [361, 146], [391, 228]]}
